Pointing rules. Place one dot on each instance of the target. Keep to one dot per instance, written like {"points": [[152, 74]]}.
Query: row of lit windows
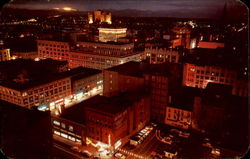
{"points": [[56, 54], [47, 90], [50, 45], [10, 98], [11, 92], [61, 85], [39, 95], [222, 74], [109, 49], [179, 114], [167, 55], [58, 123], [112, 53], [62, 50], [106, 47], [86, 82], [67, 136], [213, 72], [47, 95]]}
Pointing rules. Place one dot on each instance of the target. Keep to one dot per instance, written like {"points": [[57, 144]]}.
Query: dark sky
{"points": [[178, 8]]}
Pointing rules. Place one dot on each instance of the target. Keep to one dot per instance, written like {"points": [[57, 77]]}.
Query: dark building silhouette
{"points": [[25, 133]]}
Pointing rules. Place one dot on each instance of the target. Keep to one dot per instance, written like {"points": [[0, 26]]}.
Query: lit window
{"points": [[77, 140], [24, 94], [72, 138], [64, 135], [57, 132], [56, 122], [63, 125], [192, 69], [71, 128]]}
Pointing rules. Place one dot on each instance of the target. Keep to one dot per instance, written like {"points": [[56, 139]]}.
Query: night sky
{"points": [[177, 8]]}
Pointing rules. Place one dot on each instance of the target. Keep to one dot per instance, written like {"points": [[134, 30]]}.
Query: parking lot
{"points": [[168, 141]]}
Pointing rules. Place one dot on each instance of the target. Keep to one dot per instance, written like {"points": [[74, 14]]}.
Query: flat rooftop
{"points": [[99, 54], [212, 57], [138, 69], [217, 95], [103, 105], [82, 72], [184, 98], [109, 42], [38, 72]]}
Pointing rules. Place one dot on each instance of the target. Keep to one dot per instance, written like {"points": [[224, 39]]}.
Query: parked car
{"points": [[86, 154], [184, 134], [153, 124], [120, 155], [215, 151], [206, 143], [76, 149], [168, 140]]}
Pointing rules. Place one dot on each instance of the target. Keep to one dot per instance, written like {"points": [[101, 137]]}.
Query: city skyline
{"points": [[170, 8]]}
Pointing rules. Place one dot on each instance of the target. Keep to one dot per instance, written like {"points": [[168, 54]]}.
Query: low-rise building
{"points": [[4, 54], [57, 50], [181, 36], [161, 79], [200, 75], [21, 128], [111, 119], [68, 128], [161, 55], [89, 79], [179, 111], [106, 49], [89, 54], [25, 54], [107, 121], [202, 66], [50, 87], [28, 92]]}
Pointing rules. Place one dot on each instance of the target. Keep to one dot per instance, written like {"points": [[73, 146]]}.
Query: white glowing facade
{"points": [[111, 34]]}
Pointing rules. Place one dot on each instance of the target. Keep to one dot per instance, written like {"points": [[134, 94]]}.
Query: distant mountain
{"points": [[234, 11]]}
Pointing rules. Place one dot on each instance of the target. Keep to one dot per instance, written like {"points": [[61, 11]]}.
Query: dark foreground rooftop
{"points": [[138, 69]]}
